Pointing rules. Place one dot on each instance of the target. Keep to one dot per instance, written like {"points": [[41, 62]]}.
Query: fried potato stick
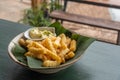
{"points": [[63, 41], [68, 40], [70, 55], [22, 42], [73, 45], [47, 43], [38, 56], [56, 43], [62, 58], [49, 63]]}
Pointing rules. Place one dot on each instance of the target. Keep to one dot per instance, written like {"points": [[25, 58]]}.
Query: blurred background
{"points": [[13, 10]]}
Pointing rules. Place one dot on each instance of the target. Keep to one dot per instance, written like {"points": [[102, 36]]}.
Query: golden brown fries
{"points": [[63, 41], [50, 63], [70, 55], [73, 45], [56, 43], [40, 49], [47, 43], [22, 42], [68, 40], [53, 51]]}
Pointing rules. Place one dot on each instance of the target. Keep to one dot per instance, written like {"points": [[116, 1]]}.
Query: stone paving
{"points": [[12, 9]]}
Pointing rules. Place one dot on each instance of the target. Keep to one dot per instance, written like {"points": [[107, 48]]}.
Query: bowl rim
{"points": [[14, 59], [11, 54]]}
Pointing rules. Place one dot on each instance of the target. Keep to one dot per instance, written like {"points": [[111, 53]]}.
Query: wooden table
{"points": [[101, 61]]}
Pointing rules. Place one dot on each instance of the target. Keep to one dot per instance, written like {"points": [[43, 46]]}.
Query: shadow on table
{"points": [[71, 73]]}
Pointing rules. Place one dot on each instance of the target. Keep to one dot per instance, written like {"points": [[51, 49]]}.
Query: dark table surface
{"points": [[101, 61]]}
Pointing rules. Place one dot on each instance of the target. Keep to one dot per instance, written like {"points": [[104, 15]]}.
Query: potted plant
{"points": [[37, 15]]}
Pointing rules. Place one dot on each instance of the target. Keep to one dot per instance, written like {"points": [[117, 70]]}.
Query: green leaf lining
{"points": [[33, 63]]}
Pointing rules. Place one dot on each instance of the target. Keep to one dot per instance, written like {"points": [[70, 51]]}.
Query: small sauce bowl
{"points": [[39, 33]]}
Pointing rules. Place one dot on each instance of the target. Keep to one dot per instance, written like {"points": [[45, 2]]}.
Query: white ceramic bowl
{"points": [[43, 69]]}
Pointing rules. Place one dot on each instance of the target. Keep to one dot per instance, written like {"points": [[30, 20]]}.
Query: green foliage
{"points": [[38, 17], [19, 52], [58, 28], [35, 18], [34, 63], [55, 5]]}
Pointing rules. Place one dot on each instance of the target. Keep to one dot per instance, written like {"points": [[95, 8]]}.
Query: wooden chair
{"points": [[95, 22]]}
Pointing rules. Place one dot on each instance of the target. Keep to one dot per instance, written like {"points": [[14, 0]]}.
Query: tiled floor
{"points": [[13, 10]]}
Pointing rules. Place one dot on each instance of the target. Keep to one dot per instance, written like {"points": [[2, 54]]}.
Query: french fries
{"points": [[48, 44], [50, 63], [53, 51], [73, 45]]}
